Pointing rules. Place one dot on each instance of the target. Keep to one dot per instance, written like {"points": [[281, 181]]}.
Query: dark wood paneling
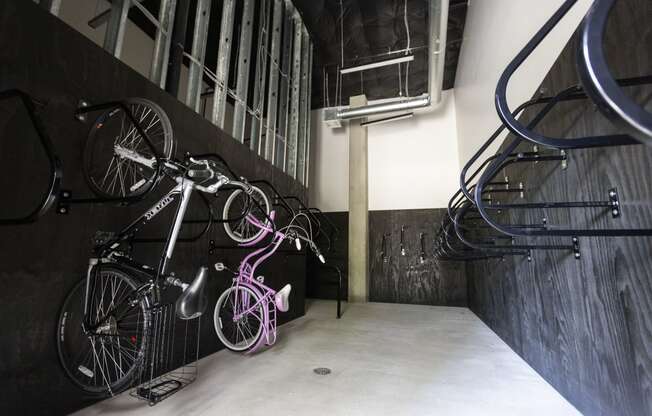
{"points": [[39, 263], [404, 278], [585, 324], [400, 279]]}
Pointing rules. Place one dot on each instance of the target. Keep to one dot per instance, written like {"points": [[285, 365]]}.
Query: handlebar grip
{"points": [[201, 174]]}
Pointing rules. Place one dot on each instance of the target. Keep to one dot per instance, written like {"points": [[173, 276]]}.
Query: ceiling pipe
{"points": [[438, 25]]}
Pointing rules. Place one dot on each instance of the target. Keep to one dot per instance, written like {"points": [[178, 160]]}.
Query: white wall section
{"points": [[138, 46], [494, 33], [413, 163], [329, 165]]}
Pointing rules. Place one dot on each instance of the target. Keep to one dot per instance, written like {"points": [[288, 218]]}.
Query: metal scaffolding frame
{"points": [[293, 129], [274, 72], [278, 116], [115, 28], [242, 83], [261, 77], [308, 120], [162, 42], [223, 64], [198, 52], [53, 6], [303, 116], [284, 96]]}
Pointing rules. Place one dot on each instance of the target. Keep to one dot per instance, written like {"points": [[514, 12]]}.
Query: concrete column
{"points": [[358, 208]]}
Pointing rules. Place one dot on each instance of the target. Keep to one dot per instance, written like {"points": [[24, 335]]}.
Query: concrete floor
{"points": [[385, 360]]}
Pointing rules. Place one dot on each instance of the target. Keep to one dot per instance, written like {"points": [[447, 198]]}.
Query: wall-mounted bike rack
{"points": [[422, 245], [334, 230], [596, 77], [56, 171], [66, 198], [386, 247], [526, 133], [339, 283], [402, 241], [473, 209]]}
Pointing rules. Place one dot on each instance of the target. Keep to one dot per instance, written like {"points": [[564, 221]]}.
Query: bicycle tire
{"points": [[71, 336], [110, 176], [240, 230], [222, 319]]}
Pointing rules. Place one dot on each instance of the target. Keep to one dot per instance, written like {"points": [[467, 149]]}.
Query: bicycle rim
{"points": [[109, 174], [236, 206], [244, 333], [106, 362]]}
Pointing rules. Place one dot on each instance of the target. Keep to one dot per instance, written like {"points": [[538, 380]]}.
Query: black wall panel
{"points": [[401, 277], [395, 278], [585, 324], [40, 262]]}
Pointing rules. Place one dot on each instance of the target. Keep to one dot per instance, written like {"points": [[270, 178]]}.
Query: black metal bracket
{"points": [[615, 203], [56, 169], [384, 250], [80, 114], [83, 109], [403, 250], [422, 244], [576, 248], [63, 208]]}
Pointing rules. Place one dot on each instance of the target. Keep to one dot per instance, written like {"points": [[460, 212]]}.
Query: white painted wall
{"points": [[495, 31], [329, 165], [138, 47], [413, 163]]}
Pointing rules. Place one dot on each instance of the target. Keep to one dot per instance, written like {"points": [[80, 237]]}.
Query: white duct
{"points": [[438, 25]]}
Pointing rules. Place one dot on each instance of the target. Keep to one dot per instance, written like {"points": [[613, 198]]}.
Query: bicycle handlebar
{"points": [[292, 235]]}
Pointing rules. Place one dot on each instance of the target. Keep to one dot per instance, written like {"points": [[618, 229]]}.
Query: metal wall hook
{"points": [[422, 244], [384, 247], [403, 250]]}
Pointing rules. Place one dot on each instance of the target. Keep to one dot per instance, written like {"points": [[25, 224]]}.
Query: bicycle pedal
{"points": [[220, 267]]}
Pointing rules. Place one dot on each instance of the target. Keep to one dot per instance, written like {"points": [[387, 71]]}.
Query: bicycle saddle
{"points": [[282, 298], [192, 302]]}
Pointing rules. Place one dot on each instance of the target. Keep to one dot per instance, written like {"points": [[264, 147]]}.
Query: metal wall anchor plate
{"points": [[63, 207], [615, 203]]}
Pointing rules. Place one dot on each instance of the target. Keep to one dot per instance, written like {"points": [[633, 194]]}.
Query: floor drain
{"points": [[322, 371]]}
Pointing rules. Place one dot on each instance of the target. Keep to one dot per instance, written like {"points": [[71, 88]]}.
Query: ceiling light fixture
{"points": [[378, 64]]}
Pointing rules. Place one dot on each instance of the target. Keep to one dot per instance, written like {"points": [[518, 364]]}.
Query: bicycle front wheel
{"points": [[237, 206], [109, 173], [106, 359], [239, 318]]}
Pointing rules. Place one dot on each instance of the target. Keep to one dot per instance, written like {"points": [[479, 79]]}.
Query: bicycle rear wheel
{"points": [[237, 206], [243, 333], [106, 360], [110, 175]]}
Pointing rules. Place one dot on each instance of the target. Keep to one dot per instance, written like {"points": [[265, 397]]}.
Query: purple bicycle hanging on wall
{"points": [[245, 313]]}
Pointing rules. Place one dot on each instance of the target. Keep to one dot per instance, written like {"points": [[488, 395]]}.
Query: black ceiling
{"points": [[372, 28]]}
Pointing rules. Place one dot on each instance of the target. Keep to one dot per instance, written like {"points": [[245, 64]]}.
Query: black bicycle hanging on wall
{"points": [[114, 329]]}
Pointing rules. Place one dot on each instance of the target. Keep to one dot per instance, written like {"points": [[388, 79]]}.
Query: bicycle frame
{"points": [[246, 278], [106, 252]]}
